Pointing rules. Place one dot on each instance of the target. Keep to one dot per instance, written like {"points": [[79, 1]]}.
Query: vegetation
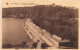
{"points": [[58, 20], [14, 11]]}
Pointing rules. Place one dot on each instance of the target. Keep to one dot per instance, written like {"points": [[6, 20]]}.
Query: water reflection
{"points": [[13, 31]]}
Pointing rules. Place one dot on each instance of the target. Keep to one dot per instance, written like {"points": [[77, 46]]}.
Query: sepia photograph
{"points": [[40, 24]]}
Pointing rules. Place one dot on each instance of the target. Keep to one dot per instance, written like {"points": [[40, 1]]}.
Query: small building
{"points": [[21, 15]]}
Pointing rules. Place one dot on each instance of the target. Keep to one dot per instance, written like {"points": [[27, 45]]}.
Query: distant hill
{"points": [[15, 11]]}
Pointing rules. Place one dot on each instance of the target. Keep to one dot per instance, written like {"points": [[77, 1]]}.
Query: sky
{"points": [[23, 3]]}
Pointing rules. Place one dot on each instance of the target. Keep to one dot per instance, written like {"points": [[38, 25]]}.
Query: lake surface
{"points": [[13, 31]]}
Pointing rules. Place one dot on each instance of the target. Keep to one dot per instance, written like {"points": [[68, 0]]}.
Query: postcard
{"points": [[40, 24]]}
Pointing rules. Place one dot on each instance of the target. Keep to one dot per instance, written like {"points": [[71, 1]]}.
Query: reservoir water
{"points": [[13, 31]]}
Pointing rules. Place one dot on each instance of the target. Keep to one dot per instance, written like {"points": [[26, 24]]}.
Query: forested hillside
{"points": [[58, 20], [16, 11]]}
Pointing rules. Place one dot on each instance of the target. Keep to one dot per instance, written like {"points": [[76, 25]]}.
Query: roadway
{"points": [[36, 33]]}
